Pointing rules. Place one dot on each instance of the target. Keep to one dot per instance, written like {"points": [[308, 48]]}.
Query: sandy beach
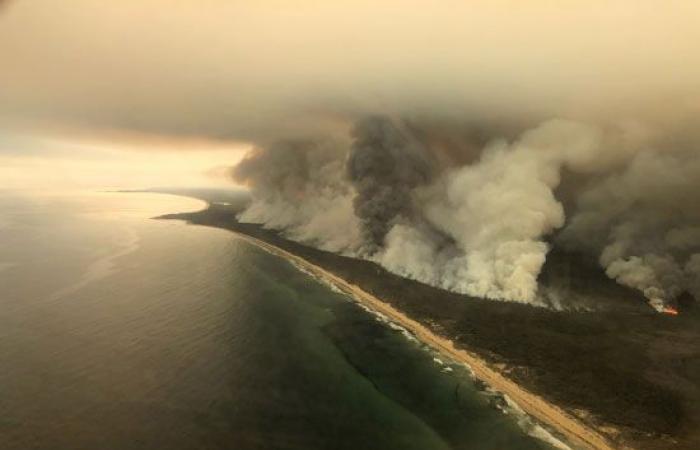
{"points": [[576, 432]]}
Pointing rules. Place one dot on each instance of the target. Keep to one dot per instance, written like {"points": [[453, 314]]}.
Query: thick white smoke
{"points": [[642, 223], [455, 191], [496, 212], [299, 188], [485, 228]]}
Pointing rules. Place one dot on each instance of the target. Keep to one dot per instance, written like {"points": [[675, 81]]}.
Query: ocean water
{"points": [[122, 332]]}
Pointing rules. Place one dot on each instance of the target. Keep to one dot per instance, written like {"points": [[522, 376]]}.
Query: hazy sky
{"points": [[35, 160], [159, 87]]}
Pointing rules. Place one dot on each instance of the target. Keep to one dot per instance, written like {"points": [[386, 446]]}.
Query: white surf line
{"points": [[525, 421], [576, 432]]}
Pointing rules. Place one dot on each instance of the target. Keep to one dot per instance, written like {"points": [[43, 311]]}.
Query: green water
{"points": [[121, 332]]}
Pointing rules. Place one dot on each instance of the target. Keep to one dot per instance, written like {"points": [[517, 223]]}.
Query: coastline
{"points": [[574, 430], [615, 378]]}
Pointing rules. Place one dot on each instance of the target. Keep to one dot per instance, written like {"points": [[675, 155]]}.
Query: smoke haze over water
{"points": [[455, 143]]}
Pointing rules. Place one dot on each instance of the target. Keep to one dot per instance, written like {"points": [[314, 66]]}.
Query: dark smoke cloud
{"points": [[384, 165], [518, 132], [480, 216], [284, 166], [266, 70]]}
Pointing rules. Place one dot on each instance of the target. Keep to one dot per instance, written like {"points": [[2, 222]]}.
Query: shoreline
{"points": [[575, 432], [619, 377]]}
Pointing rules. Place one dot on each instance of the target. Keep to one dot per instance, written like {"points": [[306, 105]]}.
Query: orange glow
{"points": [[670, 310], [116, 161]]}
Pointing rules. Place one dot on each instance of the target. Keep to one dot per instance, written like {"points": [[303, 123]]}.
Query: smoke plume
{"points": [[495, 213], [458, 143], [483, 225], [384, 165], [642, 223], [299, 188]]}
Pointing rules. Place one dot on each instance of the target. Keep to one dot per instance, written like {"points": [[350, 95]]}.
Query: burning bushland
{"points": [[481, 216]]}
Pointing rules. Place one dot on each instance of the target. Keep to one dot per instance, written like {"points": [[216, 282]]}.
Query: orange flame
{"points": [[670, 310]]}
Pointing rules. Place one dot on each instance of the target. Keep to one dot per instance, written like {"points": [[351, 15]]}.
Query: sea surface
{"points": [[119, 331]]}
